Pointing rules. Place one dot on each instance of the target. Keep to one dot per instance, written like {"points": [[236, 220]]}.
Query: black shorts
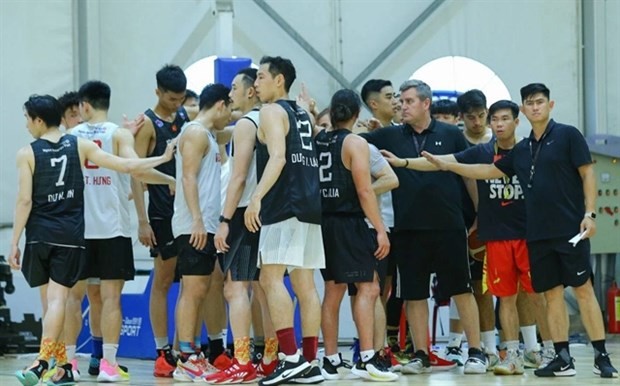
{"points": [[110, 259], [556, 262], [419, 253], [475, 268], [193, 262], [349, 250], [242, 256], [42, 262], [162, 228], [382, 268]]}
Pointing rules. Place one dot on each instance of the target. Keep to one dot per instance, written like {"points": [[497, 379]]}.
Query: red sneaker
{"points": [[264, 370], [236, 373], [394, 363], [440, 364], [223, 361], [162, 367]]}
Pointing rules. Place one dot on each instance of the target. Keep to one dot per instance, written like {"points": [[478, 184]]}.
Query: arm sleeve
{"points": [[506, 163], [374, 138], [579, 150], [377, 162], [469, 156]]}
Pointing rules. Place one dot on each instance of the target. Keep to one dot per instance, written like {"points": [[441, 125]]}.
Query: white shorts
{"points": [[292, 243]]}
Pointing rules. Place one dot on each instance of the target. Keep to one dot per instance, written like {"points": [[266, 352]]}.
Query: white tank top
{"points": [[208, 182], [250, 180], [106, 192]]}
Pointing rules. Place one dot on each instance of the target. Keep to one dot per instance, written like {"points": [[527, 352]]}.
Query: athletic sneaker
{"points": [[532, 359], [547, 354], [330, 371], [311, 376], [63, 376], [287, 369], [420, 364], [512, 364], [93, 366], [391, 363], [476, 362], [440, 364], [454, 354], [558, 367], [492, 360], [263, 370], [74, 367], [111, 372], [603, 367], [32, 375], [165, 364], [190, 370], [222, 361], [237, 373], [373, 370]]}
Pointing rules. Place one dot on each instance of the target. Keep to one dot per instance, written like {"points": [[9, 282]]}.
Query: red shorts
{"points": [[508, 264]]}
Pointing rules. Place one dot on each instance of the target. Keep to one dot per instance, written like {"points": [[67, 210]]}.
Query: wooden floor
{"points": [[141, 373]]}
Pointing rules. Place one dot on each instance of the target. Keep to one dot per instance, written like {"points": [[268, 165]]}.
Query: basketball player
{"points": [[350, 250], [239, 244], [50, 206], [196, 209], [286, 207]]}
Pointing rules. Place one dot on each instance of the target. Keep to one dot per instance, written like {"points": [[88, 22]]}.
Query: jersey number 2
{"points": [[325, 164], [63, 168]]}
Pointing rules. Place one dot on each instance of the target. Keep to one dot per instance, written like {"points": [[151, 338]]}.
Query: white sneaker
{"points": [[512, 364], [476, 363], [492, 361], [420, 364], [532, 359], [548, 355], [454, 354]]}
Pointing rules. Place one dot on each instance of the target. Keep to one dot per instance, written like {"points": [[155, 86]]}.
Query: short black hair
{"points": [[68, 100], [96, 93], [190, 94], [532, 89], [45, 107], [503, 105], [171, 78], [344, 106], [471, 100], [213, 93], [445, 106], [279, 65], [248, 76], [373, 85]]}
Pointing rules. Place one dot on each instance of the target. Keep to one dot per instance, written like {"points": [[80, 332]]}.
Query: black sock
{"points": [[561, 349], [599, 347], [216, 347]]}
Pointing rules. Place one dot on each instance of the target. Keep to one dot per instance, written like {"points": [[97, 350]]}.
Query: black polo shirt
{"points": [[424, 200], [501, 202], [554, 199]]}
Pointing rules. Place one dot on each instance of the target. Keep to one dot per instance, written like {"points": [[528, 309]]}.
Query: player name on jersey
{"points": [[330, 192], [306, 161]]}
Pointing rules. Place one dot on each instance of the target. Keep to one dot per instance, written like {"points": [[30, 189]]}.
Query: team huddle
{"points": [[380, 206]]}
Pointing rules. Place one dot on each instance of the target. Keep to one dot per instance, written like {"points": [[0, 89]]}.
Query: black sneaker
{"points": [[286, 370], [93, 366], [32, 375], [310, 376], [558, 367], [63, 377], [603, 367], [420, 364], [330, 371], [373, 370]]}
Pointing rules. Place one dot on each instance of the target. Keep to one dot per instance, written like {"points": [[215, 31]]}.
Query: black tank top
{"points": [[57, 214], [338, 193], [161, 203], [296, 191]]}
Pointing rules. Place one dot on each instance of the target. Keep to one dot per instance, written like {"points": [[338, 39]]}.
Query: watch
{"points": [[224, 219], [592, 215]]}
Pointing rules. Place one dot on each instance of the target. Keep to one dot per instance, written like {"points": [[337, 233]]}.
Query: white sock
{"points": [[367, 355], [71, 349], [529, 337], [293, 358], [215, 336], [455, 339], [160, 342], [548, 344], [512, 344], [334, 359], [488, 340], [224, 336], [109, 352]]}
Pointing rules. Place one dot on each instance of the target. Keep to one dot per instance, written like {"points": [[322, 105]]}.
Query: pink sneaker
{"points": [[111, 373], [74, 367]]}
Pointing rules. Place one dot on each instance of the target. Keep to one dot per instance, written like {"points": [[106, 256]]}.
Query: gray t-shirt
{"points": [[378, 163]]}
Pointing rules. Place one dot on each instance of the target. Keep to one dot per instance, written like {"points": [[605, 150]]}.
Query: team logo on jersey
{"points": [[159, 123]]}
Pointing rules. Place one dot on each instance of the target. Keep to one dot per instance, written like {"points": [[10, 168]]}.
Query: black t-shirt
{"points": [[424, 200], [501, 202], [338, 193], [296, 192], [554, 195], [161, 202], [57, 214]]}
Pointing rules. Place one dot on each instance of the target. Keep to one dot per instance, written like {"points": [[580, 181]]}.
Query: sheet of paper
{"points": [[578, 237]]}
